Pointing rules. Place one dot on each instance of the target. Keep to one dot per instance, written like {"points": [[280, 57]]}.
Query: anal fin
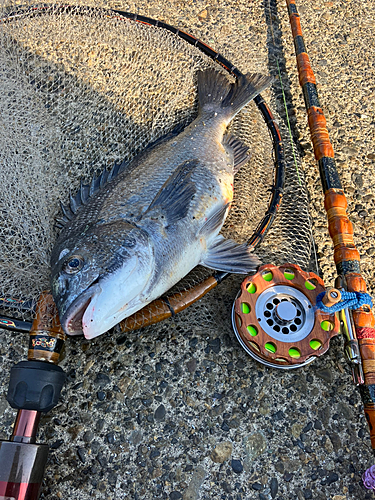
{"points": [[228, 256]]}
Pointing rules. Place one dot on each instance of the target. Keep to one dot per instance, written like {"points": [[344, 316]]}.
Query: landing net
{"points": [[81, 88]]}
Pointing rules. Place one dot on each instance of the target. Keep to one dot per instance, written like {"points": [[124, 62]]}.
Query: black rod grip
{"points": [[35, 385]]}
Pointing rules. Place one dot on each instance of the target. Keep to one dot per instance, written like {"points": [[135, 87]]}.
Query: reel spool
{"points": [[276, 320]]}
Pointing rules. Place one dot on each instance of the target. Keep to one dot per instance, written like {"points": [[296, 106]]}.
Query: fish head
{"points": [[98, 278]]}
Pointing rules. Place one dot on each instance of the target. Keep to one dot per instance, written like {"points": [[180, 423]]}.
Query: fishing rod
{"points": [[358, 325]]}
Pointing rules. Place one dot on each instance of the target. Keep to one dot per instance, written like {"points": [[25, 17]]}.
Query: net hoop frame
{"points": [[27, 305]]}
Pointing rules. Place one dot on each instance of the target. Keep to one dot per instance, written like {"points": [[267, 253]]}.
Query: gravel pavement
{"points": [[180, 411]]}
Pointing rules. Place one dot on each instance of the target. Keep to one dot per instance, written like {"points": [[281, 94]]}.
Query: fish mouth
{"points": [[71, 321]]}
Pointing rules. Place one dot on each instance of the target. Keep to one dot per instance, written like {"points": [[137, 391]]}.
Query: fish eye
{"points": [[73, 265]]}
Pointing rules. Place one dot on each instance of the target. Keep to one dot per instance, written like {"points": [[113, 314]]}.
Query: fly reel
{"points": [[276, 320]]}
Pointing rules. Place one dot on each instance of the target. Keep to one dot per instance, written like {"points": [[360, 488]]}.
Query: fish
{"points": [[138, 229]]}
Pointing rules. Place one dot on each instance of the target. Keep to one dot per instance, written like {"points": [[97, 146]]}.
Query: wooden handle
{"points": [[164, 308], [46, 335]]}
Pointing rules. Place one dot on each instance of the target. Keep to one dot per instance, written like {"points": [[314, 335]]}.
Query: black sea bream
{"points": [[142, 227]]}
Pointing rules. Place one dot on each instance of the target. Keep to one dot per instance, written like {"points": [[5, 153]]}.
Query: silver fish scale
{"points": [[138, 188], [130, 194]]}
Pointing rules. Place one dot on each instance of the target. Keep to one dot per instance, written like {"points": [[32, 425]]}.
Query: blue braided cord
{"points": [[349, 300]]}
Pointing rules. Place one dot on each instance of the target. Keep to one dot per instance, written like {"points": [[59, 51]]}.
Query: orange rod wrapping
{"points": [[356, 283], [367, 350], [343, 253], [296, 25], [319, 133], [305, 72], [339, 226], [363, 319], [342, 239], [336, 200]]}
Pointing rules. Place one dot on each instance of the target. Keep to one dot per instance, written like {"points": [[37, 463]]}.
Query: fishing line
{"points": [[284, 98], [291, 140], [314, 250]]}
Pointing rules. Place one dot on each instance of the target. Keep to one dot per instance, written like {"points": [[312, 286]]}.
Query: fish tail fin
{"points": [[217, 94]]}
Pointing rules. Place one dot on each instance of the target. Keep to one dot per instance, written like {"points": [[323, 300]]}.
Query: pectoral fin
{"points": [[228, 256], [172, 202]]}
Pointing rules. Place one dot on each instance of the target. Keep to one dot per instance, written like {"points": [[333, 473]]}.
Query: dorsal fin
{"points": [[240, 151], [85, 192], [68, 214]]}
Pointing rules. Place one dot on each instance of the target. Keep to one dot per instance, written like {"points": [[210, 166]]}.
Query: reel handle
{"points": [[331, 297]]}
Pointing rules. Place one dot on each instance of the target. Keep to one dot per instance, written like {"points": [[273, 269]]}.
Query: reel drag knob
{"points": [[286, 311], [276, 320]]}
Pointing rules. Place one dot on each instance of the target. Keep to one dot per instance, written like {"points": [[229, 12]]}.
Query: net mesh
{"points": [[81, 89]]}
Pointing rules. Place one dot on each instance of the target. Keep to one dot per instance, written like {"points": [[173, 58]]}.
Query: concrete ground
{"points": [[179, 410]]}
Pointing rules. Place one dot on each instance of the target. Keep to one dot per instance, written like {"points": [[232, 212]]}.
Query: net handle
{"points": [[179, 301]]}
